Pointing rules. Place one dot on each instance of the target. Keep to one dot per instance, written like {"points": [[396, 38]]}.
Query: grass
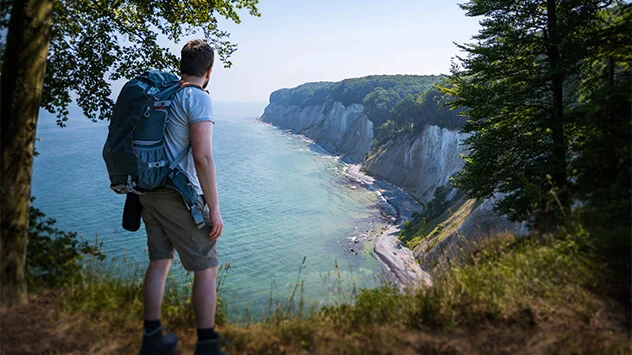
{"points": [[118, 300], [524, 285], [531, 294], [420, 231]]}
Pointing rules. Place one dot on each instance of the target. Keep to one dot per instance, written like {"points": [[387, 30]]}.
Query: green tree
{"points": [[519, 87], [601, 164], [384, 133], [428, 107], [91, 42], [439, 203], [432, 110], [378, 103], [406, 110]]}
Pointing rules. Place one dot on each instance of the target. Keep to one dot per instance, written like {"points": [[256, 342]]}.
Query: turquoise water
{"points": [[282, 199]]}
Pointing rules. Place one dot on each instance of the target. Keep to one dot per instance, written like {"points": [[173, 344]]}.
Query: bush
{"points": [[53, 257]]}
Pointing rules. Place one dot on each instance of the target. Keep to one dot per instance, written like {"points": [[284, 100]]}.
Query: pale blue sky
{"points": [[294, 42]]}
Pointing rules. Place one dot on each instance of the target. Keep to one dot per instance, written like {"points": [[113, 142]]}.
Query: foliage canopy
{"points": [[96, 42]]}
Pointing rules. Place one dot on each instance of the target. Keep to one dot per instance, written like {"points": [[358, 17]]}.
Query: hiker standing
{"points": [[168, 221]]}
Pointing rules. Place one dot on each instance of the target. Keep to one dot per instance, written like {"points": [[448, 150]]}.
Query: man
{"points": [[167, 219]]}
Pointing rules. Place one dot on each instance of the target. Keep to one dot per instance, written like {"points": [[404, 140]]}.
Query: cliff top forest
{"points": [[395, 104]]}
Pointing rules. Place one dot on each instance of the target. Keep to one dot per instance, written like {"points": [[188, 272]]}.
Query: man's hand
{"points": [[218, 225]]}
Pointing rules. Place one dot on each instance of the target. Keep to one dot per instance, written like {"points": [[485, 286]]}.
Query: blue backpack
{"points": [[134, 151]]}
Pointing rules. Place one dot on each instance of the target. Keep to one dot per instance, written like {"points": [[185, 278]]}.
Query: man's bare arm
{"points": [[202, 147]]}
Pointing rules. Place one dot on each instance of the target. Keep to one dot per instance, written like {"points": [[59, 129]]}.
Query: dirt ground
{"points": [[40, 328]]}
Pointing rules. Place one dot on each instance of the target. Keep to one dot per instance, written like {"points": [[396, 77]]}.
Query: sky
{"points": [[300, 41]]}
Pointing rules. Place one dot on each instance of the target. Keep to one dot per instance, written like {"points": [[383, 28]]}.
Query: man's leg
{"points": [[154, 341], [204, 297], [154, 287], [198, 254]]}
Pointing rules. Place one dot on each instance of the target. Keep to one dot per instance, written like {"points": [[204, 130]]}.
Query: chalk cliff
{"points": [[417, 159], [339, 129], [420, 161]]}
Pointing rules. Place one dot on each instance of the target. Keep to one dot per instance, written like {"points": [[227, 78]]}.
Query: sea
{"points": [[290, 214]]}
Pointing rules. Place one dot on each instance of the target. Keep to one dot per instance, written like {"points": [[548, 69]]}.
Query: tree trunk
{"points": [[22, 81], [559, 173]]}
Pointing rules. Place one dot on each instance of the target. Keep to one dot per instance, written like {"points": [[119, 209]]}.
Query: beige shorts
{"points": [[170, 226]]}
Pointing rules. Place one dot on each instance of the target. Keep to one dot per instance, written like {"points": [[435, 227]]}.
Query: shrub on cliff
{"points": [[54, 257], [414, 112], [418, 226]]}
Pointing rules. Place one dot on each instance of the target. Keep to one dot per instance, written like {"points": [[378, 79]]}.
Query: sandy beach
{"points": [[403, 269]]}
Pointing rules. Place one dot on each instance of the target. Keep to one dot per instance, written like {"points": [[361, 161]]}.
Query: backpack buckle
{"points": [[156, 164], [131, 184], [198, 218]]}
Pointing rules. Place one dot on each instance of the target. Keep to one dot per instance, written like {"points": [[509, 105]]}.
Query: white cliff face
{"points": [[345, 130], [292, 117], [420, 163]]}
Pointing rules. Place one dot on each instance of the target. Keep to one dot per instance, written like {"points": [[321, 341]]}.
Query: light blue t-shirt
{"points": [[189, 106]]}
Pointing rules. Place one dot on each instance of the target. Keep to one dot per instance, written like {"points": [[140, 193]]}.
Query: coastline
{"points": [[399, 261]]}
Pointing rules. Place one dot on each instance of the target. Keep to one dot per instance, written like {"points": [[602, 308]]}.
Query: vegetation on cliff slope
{"points": [[539, 294]]}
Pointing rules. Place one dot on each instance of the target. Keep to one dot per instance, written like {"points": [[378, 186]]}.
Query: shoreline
{"points": [[399, 262]]}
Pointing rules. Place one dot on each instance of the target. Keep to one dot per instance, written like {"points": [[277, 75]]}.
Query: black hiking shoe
{"points": [[157, 343], [209, 347]]}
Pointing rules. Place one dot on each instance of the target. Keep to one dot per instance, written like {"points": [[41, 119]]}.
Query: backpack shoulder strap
{"points": [[179, 158], [186, 84]]}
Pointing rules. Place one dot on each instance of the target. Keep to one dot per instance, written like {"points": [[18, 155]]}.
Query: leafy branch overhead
{"points": [[96, 42]]}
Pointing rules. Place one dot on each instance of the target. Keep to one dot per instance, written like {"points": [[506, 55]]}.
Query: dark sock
{"points": [[206, 334], [151, 325]]}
